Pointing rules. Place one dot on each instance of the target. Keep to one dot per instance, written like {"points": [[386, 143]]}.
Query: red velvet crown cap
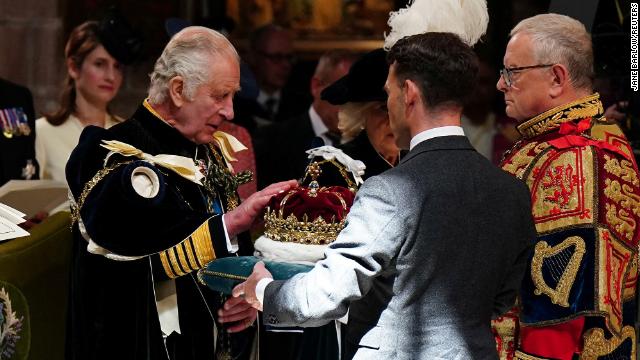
{"points": [[331, 203]]}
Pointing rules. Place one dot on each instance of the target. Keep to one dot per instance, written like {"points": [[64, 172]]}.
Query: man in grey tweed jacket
{"points": [[433, 248]]}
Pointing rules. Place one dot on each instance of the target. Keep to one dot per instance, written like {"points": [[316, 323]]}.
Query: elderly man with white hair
{"points": [[154, 199], [578, 295]]}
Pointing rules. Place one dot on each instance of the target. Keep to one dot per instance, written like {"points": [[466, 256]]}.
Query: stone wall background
{"points": [[33, 34]]}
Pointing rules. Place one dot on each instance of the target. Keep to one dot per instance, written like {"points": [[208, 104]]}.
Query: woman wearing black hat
{"points": [[363, 116], [94, 57]]}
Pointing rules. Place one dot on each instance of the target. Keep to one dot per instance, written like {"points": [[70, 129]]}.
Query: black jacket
{"points": [[17, 153], [112, 305]]}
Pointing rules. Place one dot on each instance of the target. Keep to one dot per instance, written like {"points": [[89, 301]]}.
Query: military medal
{"points": [[25, 129], [6, 128], [13, 121]]}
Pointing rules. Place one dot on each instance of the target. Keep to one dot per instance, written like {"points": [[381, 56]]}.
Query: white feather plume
{"points": [[465, 18]]}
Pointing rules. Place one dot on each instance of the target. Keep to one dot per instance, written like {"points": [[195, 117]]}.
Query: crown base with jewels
{"points": [[316, 232]]}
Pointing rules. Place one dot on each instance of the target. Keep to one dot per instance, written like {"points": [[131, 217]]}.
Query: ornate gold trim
{"points": [[182, 258], [341, 169], [165, 264], [190, 255], [551, 119], [101, 174], [559, 295], [595, 344], [621, 168], [565, 198], [621, 220], [173, 259], [317, 232], [153, 111], [201, 240], [223, 275], [519, 355]]}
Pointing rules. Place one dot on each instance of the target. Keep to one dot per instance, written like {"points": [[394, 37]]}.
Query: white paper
{"points": [[9, 220], [11, 214]]}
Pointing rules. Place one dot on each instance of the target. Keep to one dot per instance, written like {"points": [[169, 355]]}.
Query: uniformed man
{"points": [[154, 199], [578, 295], [17, 119]]}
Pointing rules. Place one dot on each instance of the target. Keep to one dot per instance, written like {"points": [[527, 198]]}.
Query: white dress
{"points": [[55, 143]]}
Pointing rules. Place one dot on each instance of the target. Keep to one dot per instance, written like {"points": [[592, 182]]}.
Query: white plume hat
{"points": [[466, 18]]}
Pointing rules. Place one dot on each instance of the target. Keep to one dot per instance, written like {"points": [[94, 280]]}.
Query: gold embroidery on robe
{"points": [[504, 331], [622, 195], [560, 193], [622, 169], [190, 254], [621, 221], [612, 134], [614, 260], [551, 119], [595, 344], [560, 293], [629, 291]]}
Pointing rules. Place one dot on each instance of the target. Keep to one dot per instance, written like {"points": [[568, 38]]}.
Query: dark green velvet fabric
{"points": [[38, 266], [225, 273]]}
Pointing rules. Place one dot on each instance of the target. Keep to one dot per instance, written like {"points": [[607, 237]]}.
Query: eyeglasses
{"points": [[507, 73], [278, 57]]}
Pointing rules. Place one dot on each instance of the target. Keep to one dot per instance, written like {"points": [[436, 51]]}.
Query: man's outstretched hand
{"points": [[241, 218], [247, 289]]}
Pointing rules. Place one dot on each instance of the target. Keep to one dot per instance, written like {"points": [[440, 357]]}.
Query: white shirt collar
{"points": [[263, 97], [435, 132], [319, 128]]}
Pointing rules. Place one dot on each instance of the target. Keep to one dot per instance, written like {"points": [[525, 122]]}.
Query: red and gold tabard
{"points": [[579, 289]]}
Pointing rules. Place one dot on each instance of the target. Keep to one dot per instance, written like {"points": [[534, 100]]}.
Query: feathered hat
{"points": [[466, 18]]}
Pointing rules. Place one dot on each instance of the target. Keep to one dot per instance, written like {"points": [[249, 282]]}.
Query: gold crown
{"points": [[329, 214], [317, 232]]}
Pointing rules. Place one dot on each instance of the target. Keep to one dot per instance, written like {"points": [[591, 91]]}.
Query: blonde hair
{"points": [[559, 39], [352, 117], [188, 55]]}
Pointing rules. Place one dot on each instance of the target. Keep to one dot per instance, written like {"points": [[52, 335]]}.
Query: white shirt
{"points": [[435, 132], [54, 145], [319, 128], [263, 97]]}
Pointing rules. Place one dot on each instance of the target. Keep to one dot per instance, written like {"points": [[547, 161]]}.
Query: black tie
{"points": [[334, 138], [270, 107]]}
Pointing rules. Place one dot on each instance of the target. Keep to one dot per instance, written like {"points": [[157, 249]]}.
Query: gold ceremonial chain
{"points": [[221, 275], [75, 209], [218, 176]]}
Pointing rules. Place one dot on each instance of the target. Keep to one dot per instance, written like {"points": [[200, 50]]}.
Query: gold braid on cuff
{"points": [[191, 254]]}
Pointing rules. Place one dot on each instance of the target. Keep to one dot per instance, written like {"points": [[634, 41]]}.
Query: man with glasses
{"points": [[578, 295], [271, 58]]}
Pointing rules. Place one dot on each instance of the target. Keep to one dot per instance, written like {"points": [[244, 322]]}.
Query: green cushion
{"points": [[224, 274], [37, 266]]}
